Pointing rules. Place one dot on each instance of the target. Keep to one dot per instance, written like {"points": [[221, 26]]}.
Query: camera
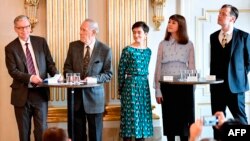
{"points": [[210, 120]]}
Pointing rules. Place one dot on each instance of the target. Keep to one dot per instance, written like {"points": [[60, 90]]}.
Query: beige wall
{"points": [[9, 9], [97, 10]]}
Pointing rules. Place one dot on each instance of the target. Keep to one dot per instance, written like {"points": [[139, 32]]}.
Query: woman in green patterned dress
{"points": [[136, 111]]}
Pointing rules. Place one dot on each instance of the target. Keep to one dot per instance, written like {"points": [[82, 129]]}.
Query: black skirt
{"points": [[177, 109]]}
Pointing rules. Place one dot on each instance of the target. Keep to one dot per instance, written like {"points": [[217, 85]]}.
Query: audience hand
{"points": [[195, 130], [221, 119]]}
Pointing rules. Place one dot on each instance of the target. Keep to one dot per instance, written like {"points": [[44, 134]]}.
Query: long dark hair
{"points": [[182, 29]]}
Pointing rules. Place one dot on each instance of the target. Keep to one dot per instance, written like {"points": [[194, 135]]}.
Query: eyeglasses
{"points": [[22, 27]]}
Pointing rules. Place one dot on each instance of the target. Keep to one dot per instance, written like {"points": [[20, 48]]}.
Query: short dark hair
{"points": [[141, 24], [55, 134], [234, 11]]}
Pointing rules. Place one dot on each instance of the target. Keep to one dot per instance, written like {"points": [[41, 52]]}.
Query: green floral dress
{"points": [[136, 111]]}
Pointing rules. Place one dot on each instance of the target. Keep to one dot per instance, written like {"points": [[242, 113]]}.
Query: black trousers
{"points": [[36, 107], [222, 97], [95, 125]]}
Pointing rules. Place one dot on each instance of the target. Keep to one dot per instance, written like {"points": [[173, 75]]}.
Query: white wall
{"points": [[191, 9], [204, 18], [201, 17], [154, 38], [9, 9]]}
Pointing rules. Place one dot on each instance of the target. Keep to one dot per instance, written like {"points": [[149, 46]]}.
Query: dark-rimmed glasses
{"points": [[22, 27]]}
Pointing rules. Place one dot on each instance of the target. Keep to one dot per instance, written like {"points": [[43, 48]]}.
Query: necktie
{"points": [[224, 40], [86, 60], [29, 60]]}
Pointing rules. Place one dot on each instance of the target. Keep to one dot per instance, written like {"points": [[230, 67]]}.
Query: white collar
{"points": [[92, 44], [229, 32], [23, 42]]}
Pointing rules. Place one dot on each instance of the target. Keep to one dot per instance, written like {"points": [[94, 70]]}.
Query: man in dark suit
{"points": [[28, 60], [230, 60], [89, 102]]}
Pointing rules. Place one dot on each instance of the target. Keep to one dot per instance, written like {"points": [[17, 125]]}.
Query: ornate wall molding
{"points": [[158, 15], [205, 25], [63, 22], [64, 18], [31, 7], [122, 15]]}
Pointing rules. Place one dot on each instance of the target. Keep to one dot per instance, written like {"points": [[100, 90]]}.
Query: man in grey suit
{"points": [[89, 102], [28, 60], [230, 60]]}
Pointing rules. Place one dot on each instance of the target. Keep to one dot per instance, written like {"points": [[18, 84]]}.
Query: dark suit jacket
{"points": [[16, 64], [100, 67], [239, 64]]}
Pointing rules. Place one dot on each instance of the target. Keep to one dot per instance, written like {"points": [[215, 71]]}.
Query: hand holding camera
{"points": [[216, 120], [210, 120], [196, 128], [221, 118]]}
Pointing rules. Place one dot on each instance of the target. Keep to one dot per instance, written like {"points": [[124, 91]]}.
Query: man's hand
{"points": [[35, 79]]}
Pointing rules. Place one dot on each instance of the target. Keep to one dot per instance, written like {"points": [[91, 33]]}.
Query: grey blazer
{"points": [[16, 64], [100, 67]]}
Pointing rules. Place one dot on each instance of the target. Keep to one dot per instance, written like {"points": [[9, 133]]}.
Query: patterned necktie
{"points": [[86, 60], [224, 40], [30, 64]]}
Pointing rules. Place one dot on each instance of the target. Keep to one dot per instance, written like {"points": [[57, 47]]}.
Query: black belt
{"points": [[134, 75]]}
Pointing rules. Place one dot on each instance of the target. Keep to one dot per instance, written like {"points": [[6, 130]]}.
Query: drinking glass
{"points": [[183, 75], [77, 78], [69, 78]]}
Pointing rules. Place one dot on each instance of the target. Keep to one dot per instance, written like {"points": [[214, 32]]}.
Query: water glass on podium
{"points": [[69, 78], [77, 78], [187, 74], [183, 75]]}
